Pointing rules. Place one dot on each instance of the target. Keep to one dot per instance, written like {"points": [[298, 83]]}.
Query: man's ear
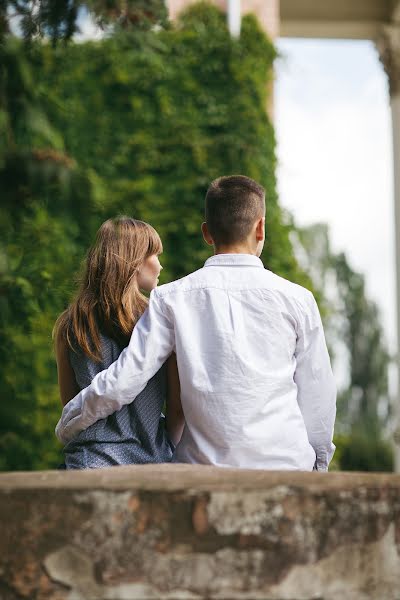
{"points": [[260, 230], [206, 234]]}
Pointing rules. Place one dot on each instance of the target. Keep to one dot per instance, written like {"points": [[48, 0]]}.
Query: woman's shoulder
{"points": [[85, 367], [108, 347]]}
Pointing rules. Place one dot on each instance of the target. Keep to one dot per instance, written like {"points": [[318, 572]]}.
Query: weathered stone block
{"points": [[196, 532]]}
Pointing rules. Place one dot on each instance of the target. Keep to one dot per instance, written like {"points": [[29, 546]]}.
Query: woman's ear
{"points": [[206, 234]]}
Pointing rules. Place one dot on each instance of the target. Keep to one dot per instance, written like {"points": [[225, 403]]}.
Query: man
{"points": [[257, 388]]}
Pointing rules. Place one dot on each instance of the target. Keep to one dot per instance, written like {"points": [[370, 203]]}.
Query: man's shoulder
{"points": [[290, 289], [286, 289], [185, 283]]}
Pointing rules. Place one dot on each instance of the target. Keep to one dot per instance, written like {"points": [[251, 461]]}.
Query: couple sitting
{"points": [[255, 387]]}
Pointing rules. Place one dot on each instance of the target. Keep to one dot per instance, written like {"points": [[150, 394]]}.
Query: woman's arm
{"points": [[175, 416], [66, 376]]}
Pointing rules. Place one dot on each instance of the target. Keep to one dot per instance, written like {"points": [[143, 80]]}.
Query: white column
{"points": [[234, 17], [388, 46], [395, 110]]}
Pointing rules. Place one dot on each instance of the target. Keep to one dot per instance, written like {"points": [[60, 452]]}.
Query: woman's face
{"points": [[149, 273]]}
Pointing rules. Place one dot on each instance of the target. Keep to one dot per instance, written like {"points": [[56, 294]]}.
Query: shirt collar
{"points": [[234, 260]]}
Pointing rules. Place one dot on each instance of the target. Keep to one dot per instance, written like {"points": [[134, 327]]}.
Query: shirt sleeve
{"points": [[151, 343], [315, 384]]}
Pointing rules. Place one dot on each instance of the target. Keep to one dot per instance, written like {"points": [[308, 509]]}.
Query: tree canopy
{"points": [[59, 19]]}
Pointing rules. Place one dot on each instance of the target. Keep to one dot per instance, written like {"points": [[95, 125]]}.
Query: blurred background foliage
{"points": [[139, 123], [358, 349]]}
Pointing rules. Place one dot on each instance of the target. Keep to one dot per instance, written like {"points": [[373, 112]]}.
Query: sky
{"points": [[333, 127]]}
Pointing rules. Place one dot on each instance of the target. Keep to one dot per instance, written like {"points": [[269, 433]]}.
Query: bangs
{"points": [[155, 244]]}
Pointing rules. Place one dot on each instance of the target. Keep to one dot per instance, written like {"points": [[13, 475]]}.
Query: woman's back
{"points": [[134, 435], [121, 264]]}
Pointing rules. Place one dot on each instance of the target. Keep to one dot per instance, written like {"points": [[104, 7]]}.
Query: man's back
{"points": [[237, 327]]}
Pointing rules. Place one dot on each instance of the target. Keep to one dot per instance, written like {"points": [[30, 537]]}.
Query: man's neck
{"points": [[237, 249]]}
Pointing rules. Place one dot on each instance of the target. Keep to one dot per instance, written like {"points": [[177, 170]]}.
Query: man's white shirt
{"points": [[257, 388]]}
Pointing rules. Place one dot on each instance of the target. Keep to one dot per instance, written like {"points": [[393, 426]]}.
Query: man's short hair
{"points": [[233, 205]]}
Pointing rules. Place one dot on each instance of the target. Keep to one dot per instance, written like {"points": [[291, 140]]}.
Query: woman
{"points": [[90, 335]]}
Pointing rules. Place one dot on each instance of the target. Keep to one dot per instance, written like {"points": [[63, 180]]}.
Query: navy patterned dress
{"points": [[135, 434]]}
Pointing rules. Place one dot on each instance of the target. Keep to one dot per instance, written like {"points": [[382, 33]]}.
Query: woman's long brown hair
{"points": [[109, 300]]}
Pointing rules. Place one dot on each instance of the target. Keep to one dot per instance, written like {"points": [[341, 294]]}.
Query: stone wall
{"points": [[180, 531]]}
